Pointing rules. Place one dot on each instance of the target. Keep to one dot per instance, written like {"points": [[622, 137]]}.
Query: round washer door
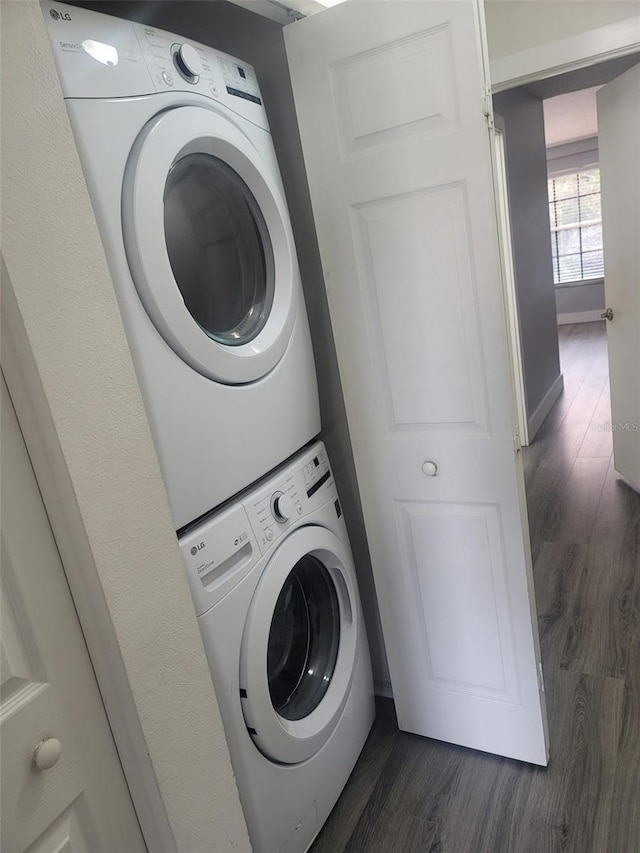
{"points": [[299, 646], [209, 245]]}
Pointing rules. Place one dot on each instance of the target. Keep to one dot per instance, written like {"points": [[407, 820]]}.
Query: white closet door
{"points": [[619, 153], [391, 100], [72, 796]]}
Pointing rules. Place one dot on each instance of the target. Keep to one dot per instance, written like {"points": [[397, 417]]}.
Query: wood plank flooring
{"points": [[409, 794]]}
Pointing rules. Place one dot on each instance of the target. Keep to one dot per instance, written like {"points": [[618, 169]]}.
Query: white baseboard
{"points": [[579, 317], [544, 407]]}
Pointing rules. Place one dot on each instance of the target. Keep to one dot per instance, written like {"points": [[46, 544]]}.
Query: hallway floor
{"points": [[410, 794]]}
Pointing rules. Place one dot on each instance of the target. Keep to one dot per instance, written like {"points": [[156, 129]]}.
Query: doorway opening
{"points": [[584, 517], [551, 189]]}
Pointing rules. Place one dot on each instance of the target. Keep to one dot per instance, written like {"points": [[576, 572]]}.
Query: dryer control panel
{"points": [[99, 56]]}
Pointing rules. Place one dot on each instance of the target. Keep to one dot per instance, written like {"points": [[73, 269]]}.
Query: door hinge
{"points": [[487, 109], [540, 678], [517, 447]]}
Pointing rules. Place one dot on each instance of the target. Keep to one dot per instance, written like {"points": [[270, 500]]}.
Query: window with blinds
{"points": [[576, 226]]}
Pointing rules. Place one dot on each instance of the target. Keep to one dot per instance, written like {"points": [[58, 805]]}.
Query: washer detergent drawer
{"points": [[218, 555]]}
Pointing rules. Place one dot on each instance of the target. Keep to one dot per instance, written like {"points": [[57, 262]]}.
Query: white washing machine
{"points": [[176, 150], [275, 593]]}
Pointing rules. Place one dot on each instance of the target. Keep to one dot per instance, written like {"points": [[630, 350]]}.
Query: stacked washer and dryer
{"points": [[176, 150]]}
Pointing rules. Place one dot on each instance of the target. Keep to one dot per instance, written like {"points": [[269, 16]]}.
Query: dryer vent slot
{"points": [[229, 566]]}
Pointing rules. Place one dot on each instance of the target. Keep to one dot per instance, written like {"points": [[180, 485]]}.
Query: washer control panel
{"points": [[273, 508], [316, 472], [223, 549], [289, 495]]}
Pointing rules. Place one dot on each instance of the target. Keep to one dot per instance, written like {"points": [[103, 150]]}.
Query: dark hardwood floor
{"points": [[409, 794]]}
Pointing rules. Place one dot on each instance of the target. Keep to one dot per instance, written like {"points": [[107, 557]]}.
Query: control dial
{"points": [[282, 507], [188, 62]]}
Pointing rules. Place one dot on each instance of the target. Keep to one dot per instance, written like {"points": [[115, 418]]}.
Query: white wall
{"points": [[70, 374], [517, 25]]}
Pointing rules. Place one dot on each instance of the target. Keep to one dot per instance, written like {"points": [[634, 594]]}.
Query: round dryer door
{"points": [[209, 244], [299, 646]]}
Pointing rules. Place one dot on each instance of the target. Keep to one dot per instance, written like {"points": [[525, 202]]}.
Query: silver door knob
{"points": [[607, 315], [429, 468], [47, 753]]}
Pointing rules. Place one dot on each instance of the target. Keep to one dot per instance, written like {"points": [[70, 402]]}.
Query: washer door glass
{"points": [[299, 643], [219, 248], [303, 640]]}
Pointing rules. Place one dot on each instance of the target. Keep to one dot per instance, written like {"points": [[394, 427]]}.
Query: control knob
{"points": [[188, 62], [282, 507]]}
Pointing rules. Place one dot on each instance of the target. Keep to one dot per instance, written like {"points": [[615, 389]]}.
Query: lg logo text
{"points": [[59, 16]]}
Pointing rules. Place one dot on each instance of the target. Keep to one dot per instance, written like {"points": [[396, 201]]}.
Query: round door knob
{"points": [[47, 753], [429, 468], [283, 507], [188, 61]]}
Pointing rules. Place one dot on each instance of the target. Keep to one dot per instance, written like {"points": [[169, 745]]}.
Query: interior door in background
{"points": [[72, 796], [391, 100], [619, 153]]}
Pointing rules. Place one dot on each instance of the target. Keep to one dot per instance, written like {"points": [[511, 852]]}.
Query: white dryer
{"points": [[175, 146], [275, 592]]}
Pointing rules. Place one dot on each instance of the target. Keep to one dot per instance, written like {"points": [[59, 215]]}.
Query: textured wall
{"points": [[528, 201], [100, 441]]}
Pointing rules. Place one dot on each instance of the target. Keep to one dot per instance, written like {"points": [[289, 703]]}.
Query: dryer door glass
{"points": [[219, 248], [303, 640]]}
